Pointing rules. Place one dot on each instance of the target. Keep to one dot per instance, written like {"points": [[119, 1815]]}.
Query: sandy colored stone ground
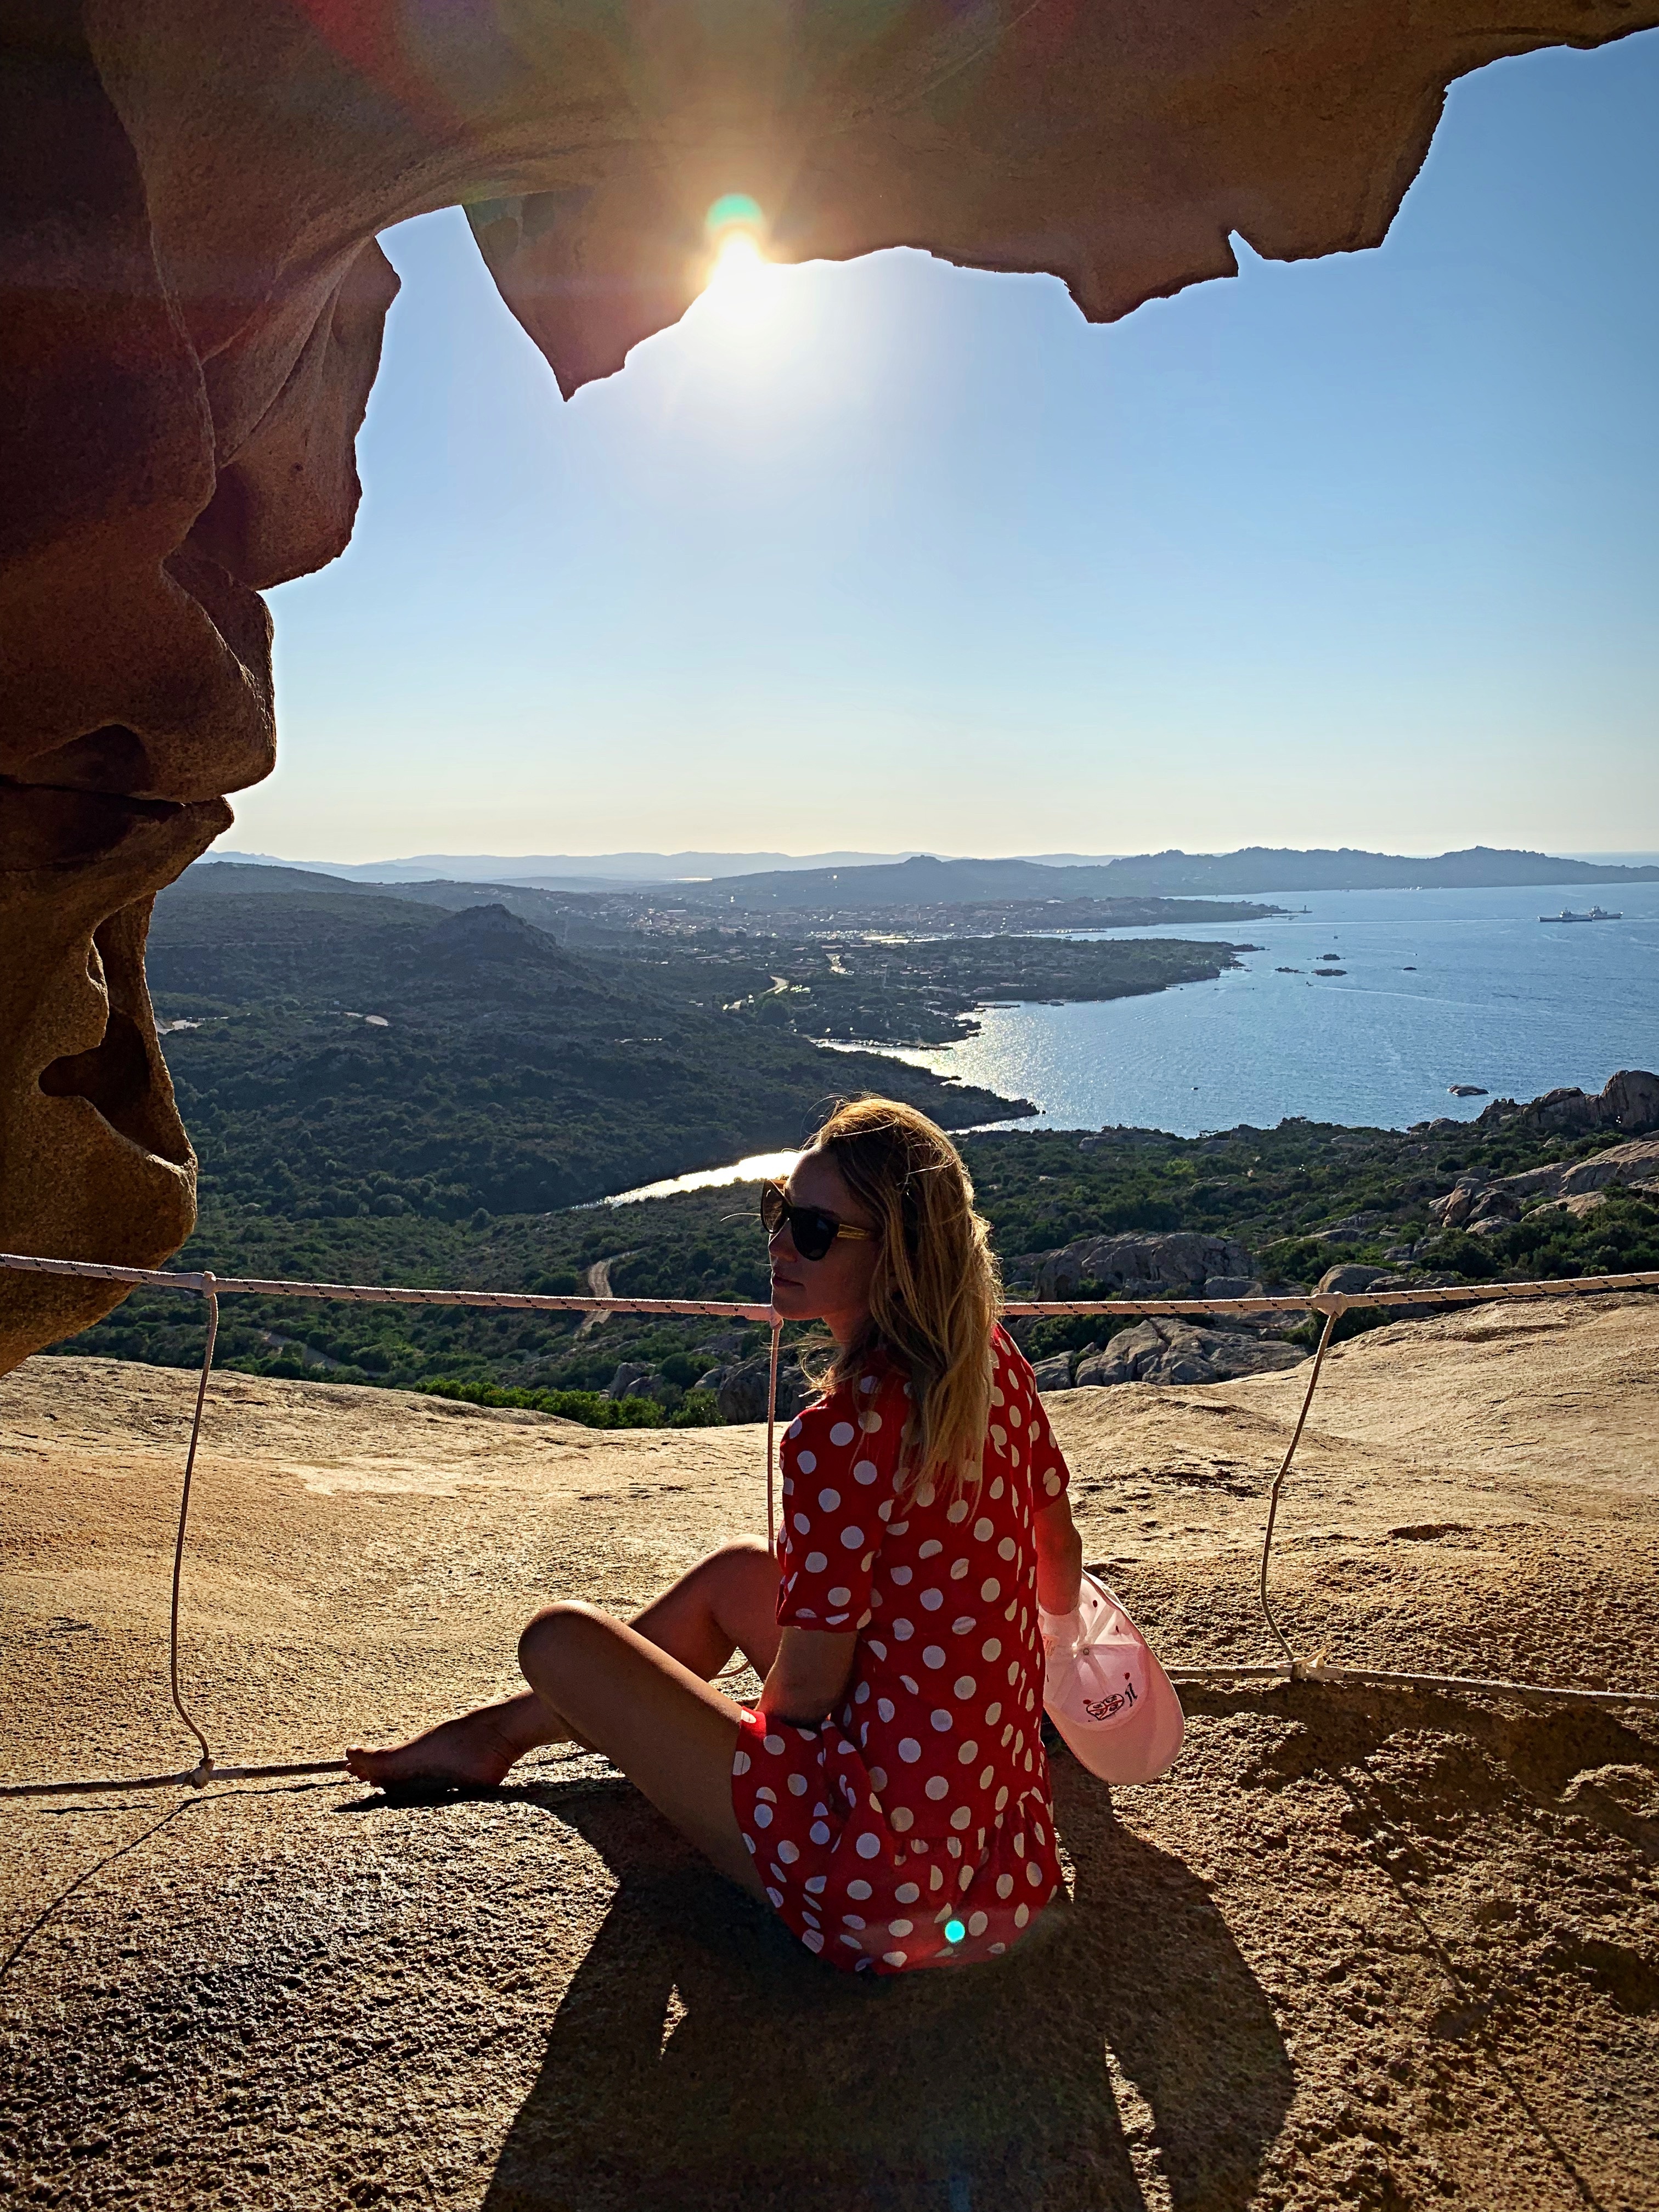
{"points": [[1356, 1950]]}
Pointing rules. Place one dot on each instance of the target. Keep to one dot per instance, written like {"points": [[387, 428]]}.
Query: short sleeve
{"points": [[839, 1459]]}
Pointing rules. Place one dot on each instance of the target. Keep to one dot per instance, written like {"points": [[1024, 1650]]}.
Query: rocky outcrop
{"points": [[1352, 1281], [1483, 1207], [1165, 1349], [1629, 1100], [633, 1381], [1177, 1265], [191, 302], [740, 1389]]}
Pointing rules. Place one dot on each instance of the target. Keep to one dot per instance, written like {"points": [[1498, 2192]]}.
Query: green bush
{"points": [[591, 1407], [699, 1409]]}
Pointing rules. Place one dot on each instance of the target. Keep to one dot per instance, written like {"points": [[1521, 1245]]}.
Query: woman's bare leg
{"points": [[673, 1734], [727, 1602], [603, 1683]]}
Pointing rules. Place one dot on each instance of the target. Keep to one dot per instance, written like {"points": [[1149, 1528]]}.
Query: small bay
{"points": [[1438, 987]]}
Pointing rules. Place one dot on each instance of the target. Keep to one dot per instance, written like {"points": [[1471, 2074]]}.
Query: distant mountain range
{"points": [[923, 880], [561, 871], [763, 881], [1278, 868]]}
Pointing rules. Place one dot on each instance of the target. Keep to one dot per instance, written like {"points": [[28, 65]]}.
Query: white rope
{"points": [[205, 1766], [1320, 1301], [162, 1279], [1330, 1304], [1279, 1483]]}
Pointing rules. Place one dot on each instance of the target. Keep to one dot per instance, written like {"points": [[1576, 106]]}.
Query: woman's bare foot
{"points": [[476, 1750]]}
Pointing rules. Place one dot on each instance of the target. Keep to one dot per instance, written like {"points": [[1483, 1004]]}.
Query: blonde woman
{"points": [[889, 1794]]}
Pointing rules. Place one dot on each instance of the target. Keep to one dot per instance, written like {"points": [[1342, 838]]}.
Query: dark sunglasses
{"points": [[811, 1231]]}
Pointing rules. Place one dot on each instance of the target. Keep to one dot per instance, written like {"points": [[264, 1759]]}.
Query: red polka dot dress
{"points": [[914, 1827]]}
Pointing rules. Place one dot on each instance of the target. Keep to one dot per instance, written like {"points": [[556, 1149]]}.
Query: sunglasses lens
{"points": [[814, 1232]]}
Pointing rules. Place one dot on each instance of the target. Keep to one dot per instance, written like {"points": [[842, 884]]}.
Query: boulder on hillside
{"points": [[1163, 1350], [1053, 1374], [1350, 1281], [1137, 1266], [740, 1389], [1350, 1229], [1636, 1162], [1483, 1208], [633, 1381]]}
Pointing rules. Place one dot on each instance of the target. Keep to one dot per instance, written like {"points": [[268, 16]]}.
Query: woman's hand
{"points": [[808, 1677], [1060, 1558]]}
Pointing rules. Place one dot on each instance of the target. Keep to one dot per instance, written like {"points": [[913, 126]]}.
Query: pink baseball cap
{"points": [[1106, 1693]]}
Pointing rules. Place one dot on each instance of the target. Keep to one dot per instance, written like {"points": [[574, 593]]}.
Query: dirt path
{"points": [[598, 1281], [1356, 1950]]}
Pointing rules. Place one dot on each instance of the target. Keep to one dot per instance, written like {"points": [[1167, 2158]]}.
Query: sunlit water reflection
{"points": [[1440, 987]]}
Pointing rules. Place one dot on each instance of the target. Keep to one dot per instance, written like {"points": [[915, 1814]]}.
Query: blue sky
{"points": [[1363, 550]]}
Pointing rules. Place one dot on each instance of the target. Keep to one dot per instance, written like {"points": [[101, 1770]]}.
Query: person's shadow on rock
{"points": [[702, 2059]]}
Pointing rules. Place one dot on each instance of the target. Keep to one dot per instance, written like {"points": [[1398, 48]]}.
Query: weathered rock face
{"points": [[1483, 1207], [740, 1390], [190, 308], [1629, 1100], [1164, 1350], [1352, 1281], [1179, 1264]]}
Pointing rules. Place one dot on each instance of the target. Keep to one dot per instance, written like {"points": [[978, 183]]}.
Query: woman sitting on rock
{"points": [[889, 1796]]}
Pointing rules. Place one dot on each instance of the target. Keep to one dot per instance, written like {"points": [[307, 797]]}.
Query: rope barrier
{"points": [[163, 1279], [1330, 1305], [205, 1767], [1279, 1483]]}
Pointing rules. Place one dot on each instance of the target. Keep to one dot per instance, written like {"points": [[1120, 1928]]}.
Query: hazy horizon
{"points": [[738, 862], [903, 557]]}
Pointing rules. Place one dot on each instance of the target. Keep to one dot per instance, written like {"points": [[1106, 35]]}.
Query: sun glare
{"points": [[741, 288], [740, 291]]}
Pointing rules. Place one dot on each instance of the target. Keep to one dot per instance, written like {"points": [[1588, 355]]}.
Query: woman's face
{"points": [[836, 1288]]}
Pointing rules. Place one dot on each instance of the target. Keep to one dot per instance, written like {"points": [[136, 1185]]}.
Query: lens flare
{"points": [[733, 211]]}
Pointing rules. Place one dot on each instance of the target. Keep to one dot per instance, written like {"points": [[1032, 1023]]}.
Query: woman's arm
{"points": [[808, 1677], [1060, 1558]]}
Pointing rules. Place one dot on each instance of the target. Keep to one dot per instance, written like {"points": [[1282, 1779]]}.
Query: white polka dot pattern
{"points": [[927, 1791]]}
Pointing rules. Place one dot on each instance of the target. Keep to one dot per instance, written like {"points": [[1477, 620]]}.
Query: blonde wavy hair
{"points": [[936, 1293]]}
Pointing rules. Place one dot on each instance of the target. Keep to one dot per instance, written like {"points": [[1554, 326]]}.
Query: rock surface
{"points": [[1140, 1266], [1359, 1949], [1483, 1207], [1164, 1350], [1351, 1280], [1629, 1100], [740, 1390], [193, 308]]}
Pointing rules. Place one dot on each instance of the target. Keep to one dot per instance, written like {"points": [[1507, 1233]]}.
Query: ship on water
{"points": [[1595, 914]]}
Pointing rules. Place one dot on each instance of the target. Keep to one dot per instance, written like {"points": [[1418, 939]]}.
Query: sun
{"points": [[742, 287], [740, 292]]}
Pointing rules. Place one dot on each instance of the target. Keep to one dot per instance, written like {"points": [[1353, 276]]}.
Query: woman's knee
{"points": [[561, 1632], [746, 1555]]}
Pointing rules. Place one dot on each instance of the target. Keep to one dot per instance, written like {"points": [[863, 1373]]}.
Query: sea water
{"points": [[1439, 987]]}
